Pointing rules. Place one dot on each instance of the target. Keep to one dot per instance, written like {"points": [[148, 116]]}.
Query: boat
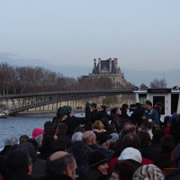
{"points": [[167, 97], [3, 115]]}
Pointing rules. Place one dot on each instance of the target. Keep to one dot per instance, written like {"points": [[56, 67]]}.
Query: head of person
{"points": [[98, 125], [124, 169], [98, 161], [128, 128], [66, 110], [93, 107], [77, 136], [125, 106], [116, 110], [131, 153], [103, 140], [18, 162], [61, 129], [36, 132], [23, 139], [148, 172], [131, 140], [103, 108], [148, 105], [89, 137], [10, 141], [48, 125], [145, 138], [61, 163]]}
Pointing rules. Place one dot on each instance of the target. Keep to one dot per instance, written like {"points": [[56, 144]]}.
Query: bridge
{"points": [[22, 102]]}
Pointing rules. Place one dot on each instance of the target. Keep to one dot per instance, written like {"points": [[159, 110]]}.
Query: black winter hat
{"points": [[96, 158]]}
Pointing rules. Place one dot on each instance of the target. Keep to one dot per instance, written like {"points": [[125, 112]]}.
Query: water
{"points": [[20, 125]]}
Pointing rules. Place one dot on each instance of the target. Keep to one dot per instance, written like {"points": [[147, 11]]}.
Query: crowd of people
{"points": [[99, 146]]}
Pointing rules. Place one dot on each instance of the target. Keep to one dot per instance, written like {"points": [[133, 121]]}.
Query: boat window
{"points": [[159, 100], [174, 102]]}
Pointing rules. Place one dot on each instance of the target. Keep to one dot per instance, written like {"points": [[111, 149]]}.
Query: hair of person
{"points": [[10, 140], [98, 125], [23, 138], [128, 128], [48, 125], [58, 166], [88, 136], [167, 143], [126, 168], [148, 103], [17, 162], [131, 140], [144, 137], [62, 128], [125, 106]]}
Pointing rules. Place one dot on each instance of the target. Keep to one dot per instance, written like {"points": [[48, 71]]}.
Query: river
{"points": [[20, 125]]}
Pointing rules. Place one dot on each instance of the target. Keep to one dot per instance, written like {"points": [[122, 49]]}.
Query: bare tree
{"points": [[143, 86], [158, 83]]}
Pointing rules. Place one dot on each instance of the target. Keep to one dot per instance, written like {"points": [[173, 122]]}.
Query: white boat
{"points": [[3, 115], [169, 98]]}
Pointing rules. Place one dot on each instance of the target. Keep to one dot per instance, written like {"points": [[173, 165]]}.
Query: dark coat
{"points": [[94, 174], [116, 120], [56, 177], [137, 115], [72, 123]]}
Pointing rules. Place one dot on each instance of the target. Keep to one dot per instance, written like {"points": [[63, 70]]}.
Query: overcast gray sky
{"points": [[143, 35]]}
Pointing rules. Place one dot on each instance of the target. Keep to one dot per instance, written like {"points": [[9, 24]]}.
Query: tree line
{"points": [[27, 79]]}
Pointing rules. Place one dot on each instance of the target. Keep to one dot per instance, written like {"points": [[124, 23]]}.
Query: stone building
{"points": [[109, 69]]}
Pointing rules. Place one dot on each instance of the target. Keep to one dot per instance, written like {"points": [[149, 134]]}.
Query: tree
{"points": [[158, 83], [143, 87]]}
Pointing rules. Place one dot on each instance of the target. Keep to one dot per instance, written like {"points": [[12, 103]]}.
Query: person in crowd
{"points": [[23, 139], [61, 138], [36, 132], [164, 158], [167, 125], [103, 116], [146, 150], [80, 152], [77, 136], [56, 120], [70, 120], [19, 166], [38, 165], [98, 127], [98, 166], [124, 169], [116, 117], [47, 125], [137, 115], [46, 149], [8, 143], [151, 113], [91, 112], [174, 130], [89, 138], [124, 110], [61, 166], [131, 153], [148, 172]]}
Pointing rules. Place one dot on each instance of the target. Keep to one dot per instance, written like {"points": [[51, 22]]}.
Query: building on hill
{"points": [[108, 69]]}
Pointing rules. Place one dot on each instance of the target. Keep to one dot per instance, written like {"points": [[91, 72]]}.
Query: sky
{"points": [[67, 34]]}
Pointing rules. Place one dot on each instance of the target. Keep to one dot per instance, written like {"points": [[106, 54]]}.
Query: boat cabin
{"points": [[168, 98]]}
